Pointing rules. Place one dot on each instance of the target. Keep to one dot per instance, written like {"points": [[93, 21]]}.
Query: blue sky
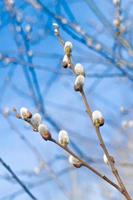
{"points": [[106, 86]]}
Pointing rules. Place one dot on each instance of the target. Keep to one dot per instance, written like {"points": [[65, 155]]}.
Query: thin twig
{"points": [[102, 144], [85, 164], [17, 179]]}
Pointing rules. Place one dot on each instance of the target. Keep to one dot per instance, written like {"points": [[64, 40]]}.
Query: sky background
{"points": [[31, 75]]}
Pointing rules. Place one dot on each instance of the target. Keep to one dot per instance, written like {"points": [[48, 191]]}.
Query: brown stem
{"points": [[60, 40], [102, 144], [85, 164]]}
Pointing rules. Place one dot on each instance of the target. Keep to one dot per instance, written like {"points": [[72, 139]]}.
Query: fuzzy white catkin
{"points": [[42, 129], [56, 31], [55, 25], [28, 28], [36, 120], [79, 69], [116, 22], [66, 61], [72, 160], [63, 138], [23, 112], [68, 44], [65, 58], [56, 28], [105, 159], [96, 115], [30, 53], [79, 82], [97, 118], [98, 46]]}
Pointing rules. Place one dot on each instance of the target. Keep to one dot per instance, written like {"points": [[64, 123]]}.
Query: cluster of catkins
{"points": [[78, 68], [35, 121], [79, 71], [119, 18]]}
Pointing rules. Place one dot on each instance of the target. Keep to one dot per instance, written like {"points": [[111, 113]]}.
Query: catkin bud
{"points": [[56, 28], [63, 138], [36, 120], [68, 48], [65, 62], [98, 46], [30, 53], [56, 31], [117, 22], [43, 130], [79, 69], [74, 161], [28, 28], [97, 118], [25, 113], [55, 25], [79, 83]]}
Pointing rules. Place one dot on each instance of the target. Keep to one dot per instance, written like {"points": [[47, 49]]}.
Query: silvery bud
{"points": [[55, 25], [98, 46], [79, 69], [68, 48], [66, 61], [56, 28], [117, 22], [28, 28], [63, 138], [97, 118], [36, 120], [74, 161], [79, 83], [43, 130], [25, 113]]}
